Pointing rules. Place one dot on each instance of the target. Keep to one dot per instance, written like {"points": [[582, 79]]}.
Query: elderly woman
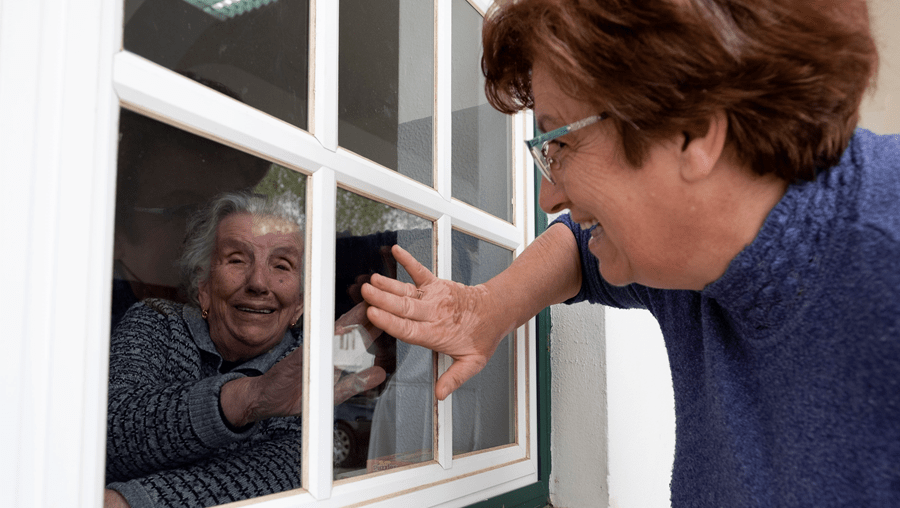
{"points": [[707, 153], [204, 398]]}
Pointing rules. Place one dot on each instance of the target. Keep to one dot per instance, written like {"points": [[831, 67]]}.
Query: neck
{"points": [[736, 205]]}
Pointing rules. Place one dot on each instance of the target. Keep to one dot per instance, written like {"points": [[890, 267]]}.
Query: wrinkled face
{"points": [[253, 292], [640, 228]]}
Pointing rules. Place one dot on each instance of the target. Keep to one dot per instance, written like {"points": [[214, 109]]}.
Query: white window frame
{"points": [[63, 77]]}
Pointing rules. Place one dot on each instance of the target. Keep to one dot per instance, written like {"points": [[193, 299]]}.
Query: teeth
{"points": [[257, 311], [588, 225]]}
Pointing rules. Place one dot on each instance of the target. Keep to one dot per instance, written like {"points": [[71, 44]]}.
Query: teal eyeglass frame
{"points": [[539, 145]]}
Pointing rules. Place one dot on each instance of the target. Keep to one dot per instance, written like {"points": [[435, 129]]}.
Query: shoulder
{"points": [[155, 319], [876, 161]]}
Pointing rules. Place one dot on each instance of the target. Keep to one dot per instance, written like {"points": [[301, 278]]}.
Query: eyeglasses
{"points": [[540, 145]]}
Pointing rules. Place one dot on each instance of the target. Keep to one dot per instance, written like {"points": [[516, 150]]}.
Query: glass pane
{"points": [[482, 157], [390, 424], [484, 407], [256, 51], [386, 83], [169, 435]]}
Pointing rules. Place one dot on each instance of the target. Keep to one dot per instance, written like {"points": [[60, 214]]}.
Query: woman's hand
{"points": [[458, 320], [279, 392]]}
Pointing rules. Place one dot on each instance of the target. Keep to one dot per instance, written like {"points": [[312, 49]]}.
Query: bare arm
{"points": [[468, 322]]}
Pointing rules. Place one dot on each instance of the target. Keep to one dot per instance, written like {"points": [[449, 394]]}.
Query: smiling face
{"points": [[253, 292], [646, 230]]}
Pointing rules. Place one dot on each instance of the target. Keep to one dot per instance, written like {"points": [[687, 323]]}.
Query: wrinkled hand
{"points": [[451, 318], [279, 392]]}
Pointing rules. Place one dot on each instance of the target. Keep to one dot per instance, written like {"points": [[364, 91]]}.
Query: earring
{"points": [[204, 314]]}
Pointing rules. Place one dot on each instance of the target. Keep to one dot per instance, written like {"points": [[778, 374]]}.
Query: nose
{"points": [[552, 198], [258, 278]]}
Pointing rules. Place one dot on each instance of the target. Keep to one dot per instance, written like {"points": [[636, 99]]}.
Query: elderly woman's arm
{"points": [[163, 408], [468, 322], [271, 463]]}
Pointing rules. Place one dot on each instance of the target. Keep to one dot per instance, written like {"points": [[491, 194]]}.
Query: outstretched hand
{"points": [[458, 320]]}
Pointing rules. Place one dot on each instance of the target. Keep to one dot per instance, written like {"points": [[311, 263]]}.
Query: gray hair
{"points": [[200, 240]]}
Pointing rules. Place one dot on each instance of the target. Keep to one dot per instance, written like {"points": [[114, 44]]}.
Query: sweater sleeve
{"points": [[594, 288], [269, 466], [161, 412]]}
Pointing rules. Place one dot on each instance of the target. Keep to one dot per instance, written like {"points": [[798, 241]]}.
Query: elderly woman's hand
{"points": [[279, 391], [445, 316]]}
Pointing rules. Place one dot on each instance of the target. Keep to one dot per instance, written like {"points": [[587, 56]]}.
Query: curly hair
{"points": [[789, 75], [202, 226]]}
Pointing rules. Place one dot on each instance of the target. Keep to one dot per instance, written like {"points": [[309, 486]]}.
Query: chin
{"points": [[613, 277]]}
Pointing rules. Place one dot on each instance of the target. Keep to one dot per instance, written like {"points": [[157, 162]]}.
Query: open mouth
{"points": [[255, 311]]}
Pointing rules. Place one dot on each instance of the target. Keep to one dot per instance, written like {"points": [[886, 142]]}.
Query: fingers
{"points": [[397, 300], [354, 316], [420, 275], [404, 329], [352, 384], [457, 374]]}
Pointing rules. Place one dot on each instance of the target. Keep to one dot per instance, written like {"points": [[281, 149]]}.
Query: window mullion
{"points": [[444, 417], [318, 396], [442, 93], [324, 69]]}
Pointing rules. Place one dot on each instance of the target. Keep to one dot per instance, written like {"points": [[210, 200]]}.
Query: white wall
{"points": [[630, 466]]}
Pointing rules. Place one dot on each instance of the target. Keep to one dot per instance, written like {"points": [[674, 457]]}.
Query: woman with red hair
{"points": [[708, 155]]}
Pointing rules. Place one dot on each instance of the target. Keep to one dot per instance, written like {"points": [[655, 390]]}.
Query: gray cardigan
{"points": [[167, 441]]}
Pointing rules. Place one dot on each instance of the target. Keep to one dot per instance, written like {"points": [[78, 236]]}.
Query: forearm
{"points": [[254, 469], [547, 272], [150, 429]]}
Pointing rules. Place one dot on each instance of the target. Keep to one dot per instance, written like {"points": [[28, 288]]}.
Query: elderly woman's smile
{"points": [[253, 292]]}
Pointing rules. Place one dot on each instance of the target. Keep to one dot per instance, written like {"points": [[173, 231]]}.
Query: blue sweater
{"points": [[786, 370]]}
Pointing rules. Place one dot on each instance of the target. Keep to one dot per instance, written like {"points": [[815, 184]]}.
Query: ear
{"points": [[699, 155], [203, 295], [299, 310]]}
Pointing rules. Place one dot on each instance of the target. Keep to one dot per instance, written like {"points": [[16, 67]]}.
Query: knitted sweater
{"points": [[786, 370], [167, 441]]}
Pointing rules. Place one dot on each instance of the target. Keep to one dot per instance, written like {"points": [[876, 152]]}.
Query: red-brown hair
{"points": [[790, 75]]}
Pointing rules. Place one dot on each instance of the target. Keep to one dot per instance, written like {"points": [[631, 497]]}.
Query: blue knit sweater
{"points": [[786, 370]]}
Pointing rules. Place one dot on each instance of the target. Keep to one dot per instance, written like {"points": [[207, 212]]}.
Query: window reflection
{"points": [[183, 339], [481, 151], [390, 425], [386, 83], [261, 53], [484, 407]]}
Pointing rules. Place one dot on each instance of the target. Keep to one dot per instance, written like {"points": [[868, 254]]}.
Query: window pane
{"points": [[481, 166], [255, 51], [389, 425], [484, 407], [168, 436], [386, 83]]}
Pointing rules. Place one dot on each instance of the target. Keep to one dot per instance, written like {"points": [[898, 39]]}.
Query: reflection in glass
{"points": [[484, 407], [482, 158], [389, 425], [180, 337], [254, 51], [386, 83]]}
